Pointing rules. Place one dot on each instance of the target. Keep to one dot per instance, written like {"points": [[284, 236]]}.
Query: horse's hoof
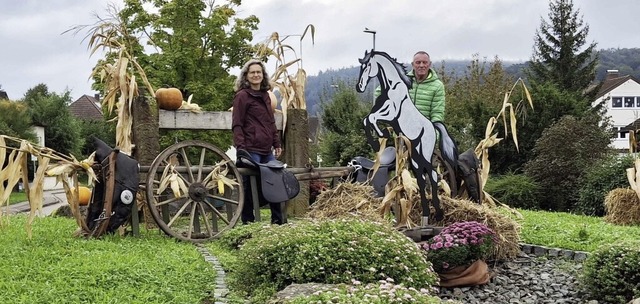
{"points": [[439, 215]]}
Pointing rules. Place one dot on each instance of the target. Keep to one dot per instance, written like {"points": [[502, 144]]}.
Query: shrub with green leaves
{"points": [[381, 292], [599, 180], [332, 252], [515, 190], [234, 238], [612, 273]]}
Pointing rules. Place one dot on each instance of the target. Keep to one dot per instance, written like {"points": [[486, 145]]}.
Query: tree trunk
{"points": [[296, 154]]}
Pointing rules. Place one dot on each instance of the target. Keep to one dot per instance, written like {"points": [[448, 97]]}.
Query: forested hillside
{"points": [[322, 86]]}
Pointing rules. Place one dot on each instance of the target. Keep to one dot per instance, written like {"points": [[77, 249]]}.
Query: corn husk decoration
{"points": [[172, 179], [66, 168], [291, 87], [188, 105], [119, 74], [491, 139], [218, 178]]}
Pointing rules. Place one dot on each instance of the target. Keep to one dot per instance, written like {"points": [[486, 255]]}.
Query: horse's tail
{"points": [[448, 147]]}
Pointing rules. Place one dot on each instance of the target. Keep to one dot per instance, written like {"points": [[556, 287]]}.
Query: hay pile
{"points": [[358, 200], [622, 206], [347, 200]]}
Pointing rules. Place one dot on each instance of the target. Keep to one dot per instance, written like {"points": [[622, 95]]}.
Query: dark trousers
{"points": [[247, 211]]}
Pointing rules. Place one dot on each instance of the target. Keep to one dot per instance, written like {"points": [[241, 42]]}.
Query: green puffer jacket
{"points": [[428, 96]]}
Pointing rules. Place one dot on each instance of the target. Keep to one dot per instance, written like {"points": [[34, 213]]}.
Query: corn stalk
{"points": [[16, 169], [117, 72], [290, 86], [491, 139]]}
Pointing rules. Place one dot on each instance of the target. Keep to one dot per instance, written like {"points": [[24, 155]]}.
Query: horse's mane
{"points": [[402, 72]]}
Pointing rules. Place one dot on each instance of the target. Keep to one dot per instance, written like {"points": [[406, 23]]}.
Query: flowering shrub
{"points": [[459, 244], [384, 291], [332, 252]]}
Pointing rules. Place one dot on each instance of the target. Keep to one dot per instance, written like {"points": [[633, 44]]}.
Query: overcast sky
{"points": [[33, 49]]}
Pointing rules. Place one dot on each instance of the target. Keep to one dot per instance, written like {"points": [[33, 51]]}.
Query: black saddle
{"points": [[468, 165], [114, 194], [276, 184], [364, 167]]}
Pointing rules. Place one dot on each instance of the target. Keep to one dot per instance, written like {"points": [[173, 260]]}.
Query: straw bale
{"points": [[347, 200], [499, 219], [622, 207]]}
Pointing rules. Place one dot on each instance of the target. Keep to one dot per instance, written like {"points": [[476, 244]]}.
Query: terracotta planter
{"points": [[475, 274]]}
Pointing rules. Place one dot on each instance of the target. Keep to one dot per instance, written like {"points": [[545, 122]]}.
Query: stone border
{"points": [[221, 290], [538, 250]]}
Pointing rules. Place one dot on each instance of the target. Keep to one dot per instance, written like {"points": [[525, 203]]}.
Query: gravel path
{"points": [[527, 279]]}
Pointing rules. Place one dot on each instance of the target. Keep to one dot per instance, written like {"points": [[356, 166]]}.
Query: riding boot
{"points": [[247, 215], [276, 213]]}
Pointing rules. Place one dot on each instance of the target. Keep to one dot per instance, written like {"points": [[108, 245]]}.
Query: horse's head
{"points": [[367, 71]]}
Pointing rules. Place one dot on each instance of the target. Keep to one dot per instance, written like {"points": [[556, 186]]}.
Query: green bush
{"points": [[234, 238], [598, 180], [382, 292], [515, 190], [612, 273], [332, 252]]}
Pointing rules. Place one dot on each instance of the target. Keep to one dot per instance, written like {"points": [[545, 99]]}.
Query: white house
{"points": [[621, 95]]}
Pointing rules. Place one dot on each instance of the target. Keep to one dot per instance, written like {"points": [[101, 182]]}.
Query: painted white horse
{"points": [[395, 108]]}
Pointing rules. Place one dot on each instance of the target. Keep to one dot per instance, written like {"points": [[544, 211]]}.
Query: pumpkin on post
{"points": [[169, 98]]}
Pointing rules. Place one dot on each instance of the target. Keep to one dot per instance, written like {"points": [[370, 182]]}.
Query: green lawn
{"points": [[56, 267], [570, 231], [17, 197]]}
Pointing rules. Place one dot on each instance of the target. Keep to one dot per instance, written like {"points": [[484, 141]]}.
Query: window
{"points": [[638, 101], [628, 102], [616, 102]]}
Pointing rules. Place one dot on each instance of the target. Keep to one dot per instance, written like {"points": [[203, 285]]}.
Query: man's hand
{"points": [[277, 152]]}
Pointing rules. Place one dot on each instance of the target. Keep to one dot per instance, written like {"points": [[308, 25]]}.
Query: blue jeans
{"points": [[247, 211]]}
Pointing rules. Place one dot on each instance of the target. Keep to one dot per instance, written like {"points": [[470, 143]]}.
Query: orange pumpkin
{"points": [[84, 195], [169, 98]]}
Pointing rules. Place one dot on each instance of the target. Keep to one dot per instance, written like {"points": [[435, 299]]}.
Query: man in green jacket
{"points": [[427, 91]]}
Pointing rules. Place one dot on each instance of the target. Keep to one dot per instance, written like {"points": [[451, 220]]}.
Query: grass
{"points": [[17, 197], [571, 231], [55, 267]]}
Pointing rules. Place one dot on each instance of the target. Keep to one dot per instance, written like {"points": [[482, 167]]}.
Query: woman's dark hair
{"points": [[243, 83]]}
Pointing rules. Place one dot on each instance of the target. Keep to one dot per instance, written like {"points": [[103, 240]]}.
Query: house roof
{"points": [[611, 83], [87, 108]]}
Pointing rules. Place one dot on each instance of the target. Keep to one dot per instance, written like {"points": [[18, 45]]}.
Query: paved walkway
{"points": [[52, 200]]}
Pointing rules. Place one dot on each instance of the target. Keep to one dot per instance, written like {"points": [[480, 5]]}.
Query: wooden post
{"points": [[145, 137], [296, 154]]}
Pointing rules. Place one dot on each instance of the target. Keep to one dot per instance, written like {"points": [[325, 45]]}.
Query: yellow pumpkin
{"points": [[84, 195], [169, 98]]}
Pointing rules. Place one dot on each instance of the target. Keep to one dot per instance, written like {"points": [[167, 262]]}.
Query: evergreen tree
{"points": [[558, 57], [343, 130]]}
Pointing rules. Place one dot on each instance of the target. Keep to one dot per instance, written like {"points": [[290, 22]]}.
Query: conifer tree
{"points": [[559, 56]]}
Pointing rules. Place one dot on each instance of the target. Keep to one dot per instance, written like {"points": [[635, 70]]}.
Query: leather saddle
{"points": [[364, 168], [276, 184], [114, 194], [468, 165]]}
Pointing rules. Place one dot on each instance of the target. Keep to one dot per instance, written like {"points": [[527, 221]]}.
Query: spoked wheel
{"points": [[194, 191], [446, 172]]}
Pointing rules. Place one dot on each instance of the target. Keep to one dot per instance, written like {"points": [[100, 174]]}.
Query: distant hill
{"points": [[321, 87]]}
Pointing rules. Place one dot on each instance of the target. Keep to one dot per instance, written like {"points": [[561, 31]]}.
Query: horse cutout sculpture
{"points": [[394, 107]]}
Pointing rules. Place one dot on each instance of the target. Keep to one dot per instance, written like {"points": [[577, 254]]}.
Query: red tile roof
{"points": [[87, 108]]}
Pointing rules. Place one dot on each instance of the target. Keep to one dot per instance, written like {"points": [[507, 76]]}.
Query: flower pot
{"points": [[475, 274]]}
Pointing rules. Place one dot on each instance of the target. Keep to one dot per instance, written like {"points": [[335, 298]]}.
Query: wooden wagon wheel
{"points": [[205, 211], [447, 172]]}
